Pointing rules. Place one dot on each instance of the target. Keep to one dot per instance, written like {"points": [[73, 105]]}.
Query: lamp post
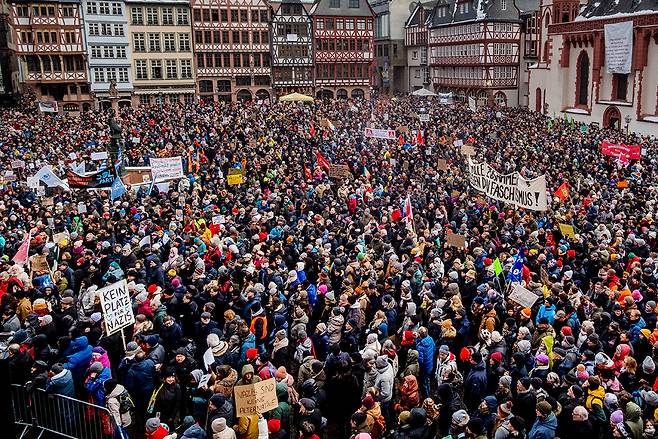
{"points": [[627, 119], [545, 108]]}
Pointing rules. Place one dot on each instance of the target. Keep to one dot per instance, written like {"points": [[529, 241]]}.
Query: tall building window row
{"points": [[167, 16], [236, 60], [236, 15]]}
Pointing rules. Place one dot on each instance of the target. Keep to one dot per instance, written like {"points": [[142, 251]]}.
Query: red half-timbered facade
{"points": [[344, 48], [475, 50], [232, 49], [50, 50], [416, 36]]}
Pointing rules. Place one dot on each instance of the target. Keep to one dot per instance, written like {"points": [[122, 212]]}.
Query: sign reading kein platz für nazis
{"points": [[253, 399], [117, 309]]}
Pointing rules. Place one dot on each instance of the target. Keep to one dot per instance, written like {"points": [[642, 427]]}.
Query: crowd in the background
{"points": [[372, 325]]}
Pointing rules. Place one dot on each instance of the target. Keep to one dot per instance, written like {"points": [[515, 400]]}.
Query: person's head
{"points": [[580, 414], [543, 409], [170, 378]]}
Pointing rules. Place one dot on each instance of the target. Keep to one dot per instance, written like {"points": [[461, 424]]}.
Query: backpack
{"points": [[126, 404]]}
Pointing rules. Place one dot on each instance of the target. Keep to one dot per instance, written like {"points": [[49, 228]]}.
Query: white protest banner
{"points": [[32, 182], [254, 399], [510, 188], [523, 296], [619, 47], [472, 103], [166, 168], [424, 117], [101, 155], [17, 164], [116, 306], [380, 133]]}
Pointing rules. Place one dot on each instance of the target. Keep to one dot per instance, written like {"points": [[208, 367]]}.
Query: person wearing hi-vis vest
{"points": [[258, 325]]}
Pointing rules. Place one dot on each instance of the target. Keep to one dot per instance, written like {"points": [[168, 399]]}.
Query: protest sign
{"points": [[456, 240], [458, 143], [116, 306], [100, 179], [442, 165], [236, 171], [254, 399], [57, 237], [339, 171], [32, 182], [167, 168], [510, 188], [380, 133], [17, 164], [468, 149], [618, 47], [523, 296], [424, 117], [235, 179], [567, 230], [101, 155]]}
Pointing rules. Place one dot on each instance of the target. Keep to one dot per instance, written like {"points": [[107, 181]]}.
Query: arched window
{"points": [[500, 99], [582, 79]]}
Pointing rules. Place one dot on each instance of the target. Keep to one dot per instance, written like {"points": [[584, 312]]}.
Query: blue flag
{"points": [[516, 273], [117, 189], [148, 192]]}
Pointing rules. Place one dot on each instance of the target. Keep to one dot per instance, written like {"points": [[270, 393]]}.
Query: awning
{"points": [[423, 92], [296, 97]]}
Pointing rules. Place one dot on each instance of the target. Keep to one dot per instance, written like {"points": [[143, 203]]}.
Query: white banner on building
{"points": [[380, 133], [619, 47], [48, 106], [445, 98], [510, 188], [116, 306], [472, 103], [166, 168]]}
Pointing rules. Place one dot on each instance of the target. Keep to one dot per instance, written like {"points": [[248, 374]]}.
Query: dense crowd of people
{"points": [[371, 323]]}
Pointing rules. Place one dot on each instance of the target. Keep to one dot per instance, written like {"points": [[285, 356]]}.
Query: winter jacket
{"points": [[543, 428], [61, 384], [384, 382], [113, 405], [247, 427], [195, 432], [425, 348], [546, 311], [632, 419], [94, 386], [140, 379], [335, 328], [78, 356], [475, 386]]}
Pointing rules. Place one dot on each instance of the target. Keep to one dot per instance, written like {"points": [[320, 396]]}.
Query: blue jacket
{"points": [[62, 385], [140, 379], [78, 358], [549, 313], [635, 330], [543, 428], [425, 347], [249, 342], [94, 386], [475, 386]]}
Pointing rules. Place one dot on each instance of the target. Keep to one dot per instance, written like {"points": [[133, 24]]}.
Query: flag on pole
{"points": [[366, 173], [419, 138], [401, 140], [148, 193], [408, 213], [497, 266], [516, 273], [563, 191], [20, 257], [322, 162], [307, 173], [311, 130], [118, 188]]}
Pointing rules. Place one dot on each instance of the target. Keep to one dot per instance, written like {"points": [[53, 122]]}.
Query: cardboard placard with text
{"points": [[254, 399], [456, 240], [442, 165]]}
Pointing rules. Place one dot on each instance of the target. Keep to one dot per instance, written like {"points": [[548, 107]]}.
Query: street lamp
{"points": [[627, 119], [545, 107]]}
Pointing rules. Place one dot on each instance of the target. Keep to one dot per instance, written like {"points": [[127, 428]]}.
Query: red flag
{"points": [[621, 150], [322, 162], [307, 173], [408, 214], [312, 130], [395, 215], [21, 255], [419, 138], [563, 191], [401, 140]]}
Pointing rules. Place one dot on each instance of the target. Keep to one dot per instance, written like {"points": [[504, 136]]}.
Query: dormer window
{"points": [[464, 7], [503, 5], [442, 11]]}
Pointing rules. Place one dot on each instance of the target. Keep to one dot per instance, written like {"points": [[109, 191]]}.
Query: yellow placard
{"points": [[235, 179], [567, 230]]}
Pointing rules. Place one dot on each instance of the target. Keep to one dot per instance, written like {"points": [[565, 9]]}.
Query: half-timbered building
{"points": [[232, 49], [8, 68], [291, 32], [415, 40], [573, 55], [51, 51], [474, 49], [344, 48]]}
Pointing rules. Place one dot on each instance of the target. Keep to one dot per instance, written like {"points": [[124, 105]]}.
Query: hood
{"points": [[599, 392], [412, 356], [247, 368], [549, 423], [193, 432], [116, 391], [410, 384], [624, 351], [417, 418], [632, 412], [79, 344], [282, 392]]}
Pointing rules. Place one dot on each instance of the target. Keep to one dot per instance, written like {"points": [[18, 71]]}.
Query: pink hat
{"points": [[322, 289]]}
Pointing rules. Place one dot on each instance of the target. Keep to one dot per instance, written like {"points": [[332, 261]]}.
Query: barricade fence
{"points": [[61, 416]]}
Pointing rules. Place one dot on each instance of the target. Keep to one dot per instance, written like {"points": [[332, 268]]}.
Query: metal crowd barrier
{"points": [[61, 416]]}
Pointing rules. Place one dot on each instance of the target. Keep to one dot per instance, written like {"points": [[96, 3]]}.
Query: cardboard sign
{"points": [[256, 398], [424, 117], [235, 179], [57, 237], [456, 240], [17, 164], [236, 171], [166, 168], [567, 230], [101, 155], [467, 149], [442, 165], [523, 296], [339, 171], [403, 129], [116, 306]]}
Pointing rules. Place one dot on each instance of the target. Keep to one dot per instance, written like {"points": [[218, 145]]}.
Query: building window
{"points": [[169, 42], [99, 75], [104, 8], [96, 52], [360, 24], [245, 60], [225, 37], [93, 30], [156, 69], [111, 74], [223, 86], [186, 69], [355, 4], [141, 71], [167, 16], [582, 83], [144, 100], [236, 60], [172, 69], [152, 16], [227, 59], [106, 29], [319, 24], [503, 5], [234, 15], [245, 37], [243, 81], [123, 74], [136, 15], [500, 99], [200, 60], [254, 16], [255, 38], [244, 18], [154, 42], [91, 8], [121, 52], [183, 17], [236, 37], [139, 43], [184, 42], [116, 9], [620, 87], [205, 87], [264, 16], [108, 52], [329, 23], [118, 30], [335, 4]]}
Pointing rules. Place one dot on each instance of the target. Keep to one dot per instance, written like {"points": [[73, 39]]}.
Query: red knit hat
{"points": [[252, 354], [566, 330], [274, 425], [465, 354], [368, 402], [497, 357]]}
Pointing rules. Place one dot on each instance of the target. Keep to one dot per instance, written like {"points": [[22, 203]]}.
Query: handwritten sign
{"points": [[442, 165], [166, 168], [379, 133], [456, 240], [523, 296], [567, 230], [235, 179], [116, 306], [17, 164], [424, 117], [255, 398], [339, 171], [468, 149]]}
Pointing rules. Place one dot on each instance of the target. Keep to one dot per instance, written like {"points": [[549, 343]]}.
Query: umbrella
{"points": [[296, 97], [423, 92]]}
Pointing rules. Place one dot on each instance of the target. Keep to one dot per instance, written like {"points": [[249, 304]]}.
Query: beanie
{"points": [[274, 425], [465, 354], [497, 357], [368, 402], [476, 426], [617, 416], [218, 425], [152, 425], [460, 417], [544, 408]]}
